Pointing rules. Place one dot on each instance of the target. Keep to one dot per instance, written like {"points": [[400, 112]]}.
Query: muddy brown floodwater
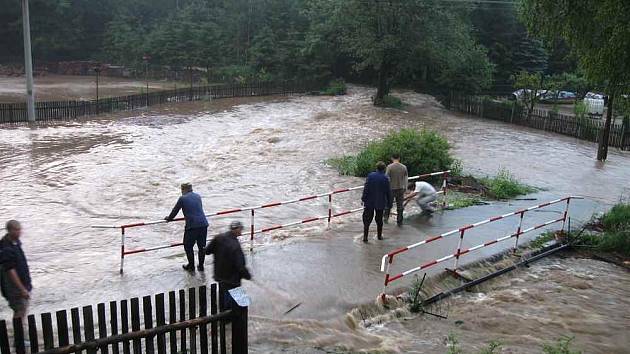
{"points": [[59, 179], [54, 87]]}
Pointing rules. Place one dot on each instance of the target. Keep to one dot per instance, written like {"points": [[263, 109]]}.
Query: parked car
{"points": [[558, 97], [521, 94], [595, 103]]}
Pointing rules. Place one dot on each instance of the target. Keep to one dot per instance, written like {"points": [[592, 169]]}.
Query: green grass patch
{"points": [[335, 88], [618, 218], [390, 101], [421, 151], [543, 238], [561, 346], [458, 200], [505, 186]]}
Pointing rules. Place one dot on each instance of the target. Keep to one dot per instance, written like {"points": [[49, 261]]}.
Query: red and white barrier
{"points": [[252, 212], [388, 259]]}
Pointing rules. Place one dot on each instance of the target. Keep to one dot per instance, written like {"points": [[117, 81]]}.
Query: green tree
{"points": [[597, 33]]}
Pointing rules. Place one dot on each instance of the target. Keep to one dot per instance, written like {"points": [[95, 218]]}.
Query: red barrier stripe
{"points": [[490, 243], [466, 227], [132, 225], [433, 239], [427, 265], [271, 228], [395, 277], [229, 211], [496, 218], [342, 213], [395, 252], [543, 205], [176, 244], [464, 251], [271, 205], [386, 279], [309, 220], [308, 198], [140, 250], [341, 190]]}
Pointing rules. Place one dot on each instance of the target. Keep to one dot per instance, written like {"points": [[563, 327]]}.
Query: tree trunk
{"points": [[382, 89], [602, 149]]}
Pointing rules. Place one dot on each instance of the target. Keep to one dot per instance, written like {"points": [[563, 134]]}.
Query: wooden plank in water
{"points": [[148, 323], [102, 325], [135, 323], [62, 328], [160, 320], [213, 325], [203, 311], [192, 313], [47, 331], [113, 312], [76, 325], [182, 317], [88, 326], [5, 347], [172, 318], [124, 321], [18, 335], [32, 334]]}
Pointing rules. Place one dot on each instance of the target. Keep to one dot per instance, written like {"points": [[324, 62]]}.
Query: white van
{"points": [[594, 104]]}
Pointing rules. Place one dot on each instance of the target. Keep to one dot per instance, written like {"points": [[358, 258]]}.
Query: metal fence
{"points": [[174, 322], [67, 110], [584, 128]]}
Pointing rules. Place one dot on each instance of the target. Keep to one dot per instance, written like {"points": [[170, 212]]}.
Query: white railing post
{"points": [[459, 248], [329, 209], [122, 249], [566, 212], [444, 190], [518, 230]]}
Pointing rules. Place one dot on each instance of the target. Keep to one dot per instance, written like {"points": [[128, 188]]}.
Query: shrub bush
{"points": [[335, 88], [391, 102], [505, 186], [617, 218], [421, 151]]}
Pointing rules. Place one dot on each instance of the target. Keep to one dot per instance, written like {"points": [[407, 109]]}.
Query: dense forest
{"points": [[421, 43]]}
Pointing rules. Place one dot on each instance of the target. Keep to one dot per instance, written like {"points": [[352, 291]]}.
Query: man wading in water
{"points": [[229, 263], [377, 196], [398, 177], [15, 278], [196, 230]]}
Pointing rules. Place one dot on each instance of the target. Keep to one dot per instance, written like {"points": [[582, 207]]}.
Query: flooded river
{"points": [[60, 179]]}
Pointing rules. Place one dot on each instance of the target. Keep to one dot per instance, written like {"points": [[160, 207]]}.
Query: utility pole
{"points": [[28, 63]]}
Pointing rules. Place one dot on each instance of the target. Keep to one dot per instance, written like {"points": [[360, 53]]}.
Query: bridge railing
{"points": [[388, 258], [253, 230]]}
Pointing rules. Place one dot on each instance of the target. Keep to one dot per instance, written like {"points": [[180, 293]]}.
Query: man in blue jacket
{"points": [[196, 229], [377, 196]]}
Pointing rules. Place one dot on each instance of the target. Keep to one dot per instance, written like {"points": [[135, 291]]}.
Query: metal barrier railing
{"points": [[252, 211], [388, 259]]}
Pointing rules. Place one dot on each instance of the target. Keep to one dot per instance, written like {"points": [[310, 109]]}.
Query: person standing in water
{"points": [[196, 229], [15, 277], [377, 196], [398, 179]]}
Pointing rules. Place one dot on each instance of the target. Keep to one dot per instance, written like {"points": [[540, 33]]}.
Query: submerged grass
{"points": [[505, 186]]}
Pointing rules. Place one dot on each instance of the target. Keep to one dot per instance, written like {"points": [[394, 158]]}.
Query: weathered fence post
{"points": [[239, 330]]}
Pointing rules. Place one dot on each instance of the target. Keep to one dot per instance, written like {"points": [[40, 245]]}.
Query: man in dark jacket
{"points": [[377, 196], [15, 277], [196, 229], [229, 262]]}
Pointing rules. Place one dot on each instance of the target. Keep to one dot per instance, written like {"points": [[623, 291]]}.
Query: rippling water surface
{"points": [[60, 179]]}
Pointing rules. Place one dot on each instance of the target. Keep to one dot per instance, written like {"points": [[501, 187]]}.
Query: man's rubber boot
{"points": [[202, 257], [191, 262]]}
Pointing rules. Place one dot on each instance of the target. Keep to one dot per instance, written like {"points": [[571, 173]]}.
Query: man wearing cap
{"points": [[229, 262], [196, 229]]}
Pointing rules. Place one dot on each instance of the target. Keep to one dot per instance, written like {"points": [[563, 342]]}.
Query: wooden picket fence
{"points": [[190, 327], [511, 112], [68, 110]]}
